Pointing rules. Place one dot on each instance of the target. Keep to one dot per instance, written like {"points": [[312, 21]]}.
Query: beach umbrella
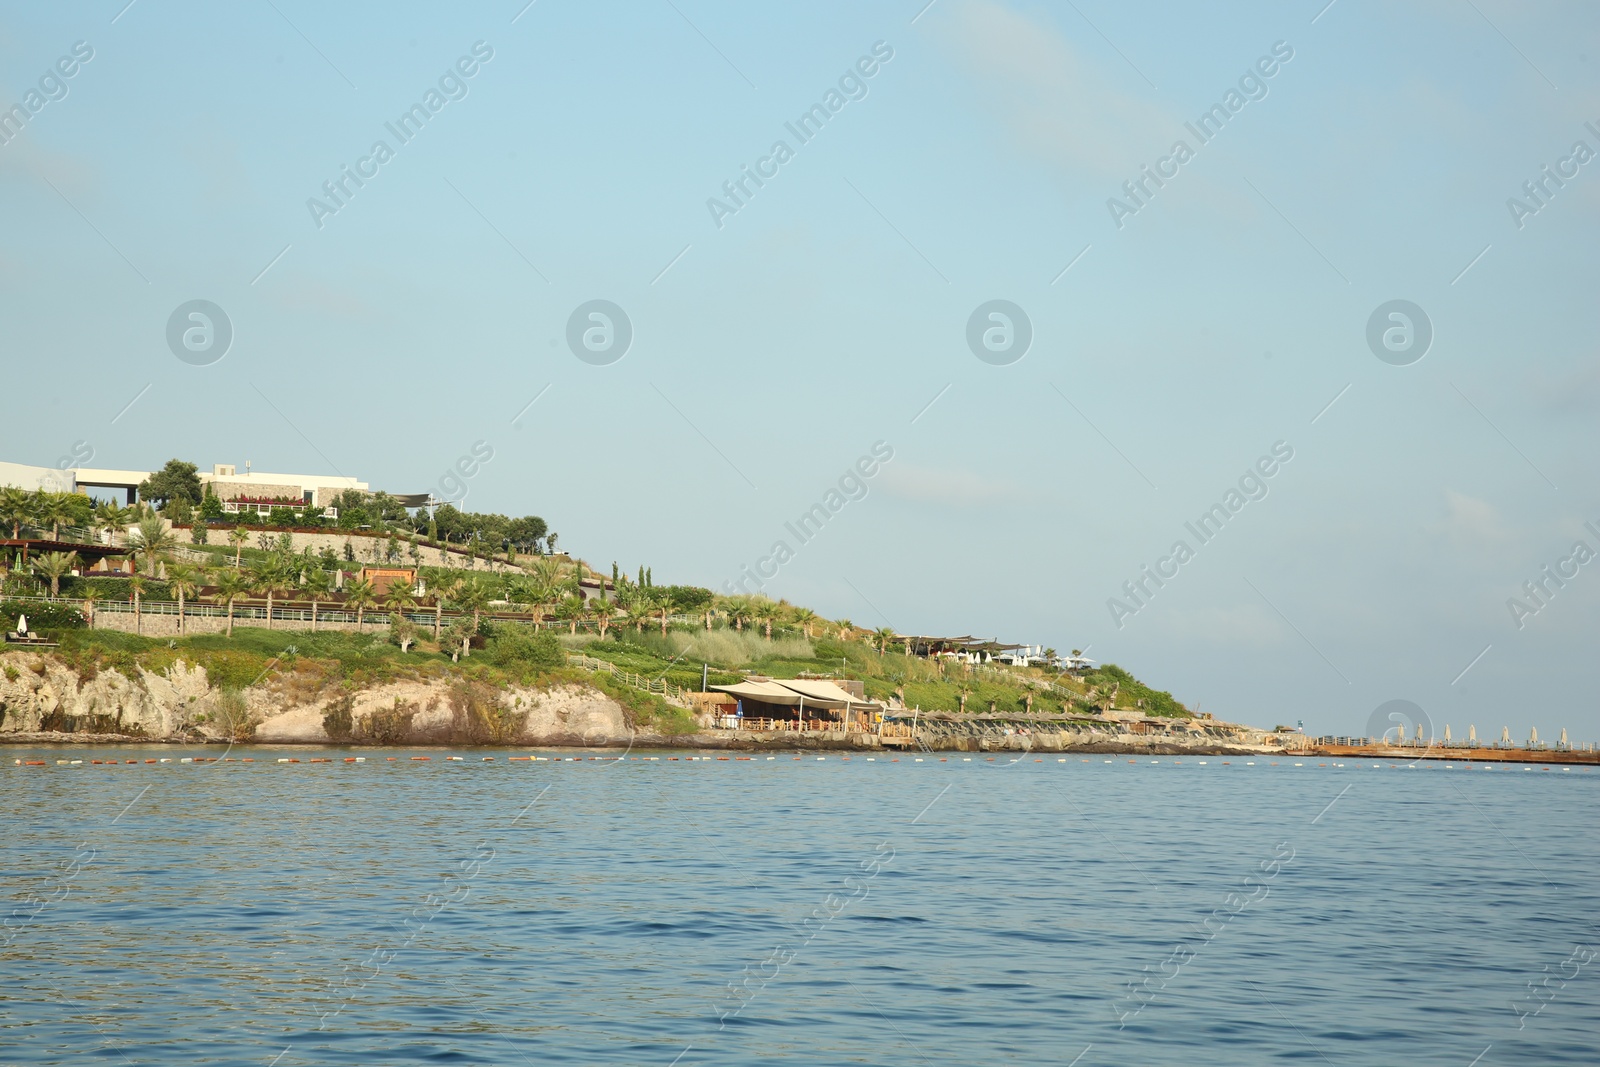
{"points": [[22, 625], [1419, 731], [1505, 735], [1563, 737], [1447, 732], [1472, 734], [1533, 738]]}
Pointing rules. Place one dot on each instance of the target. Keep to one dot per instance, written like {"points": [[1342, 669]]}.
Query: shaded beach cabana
{"points": [[799, 700]]}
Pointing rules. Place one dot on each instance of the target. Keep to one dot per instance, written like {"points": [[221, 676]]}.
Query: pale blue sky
{"points": [[832, 308]]}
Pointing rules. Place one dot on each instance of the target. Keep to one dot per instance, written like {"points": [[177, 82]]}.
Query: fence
{"points": [[660, 686]]}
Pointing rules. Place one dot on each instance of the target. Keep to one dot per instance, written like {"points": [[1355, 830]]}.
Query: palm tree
{"points": [[764, 612], [603, 613], [571, 609], [55, 566], [110, 517], [846, 629], [272, 576], [231, 585], [806, 618], [136, 587], [739, 609], [661, 604], [16, 508], [237, 537], [55, 509], [399, 599], [319, 587], [444, 590], [472, 595], [89, 595], [184, 579], [884, 635], [152, 541], [362, 594]]}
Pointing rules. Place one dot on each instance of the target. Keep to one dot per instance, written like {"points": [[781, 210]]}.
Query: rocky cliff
{"points": [[40, 694]]}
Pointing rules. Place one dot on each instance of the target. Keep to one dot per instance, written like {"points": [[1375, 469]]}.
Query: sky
{"points": [[1158, 348]]}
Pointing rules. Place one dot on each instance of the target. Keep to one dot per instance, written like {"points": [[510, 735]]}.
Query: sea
{"points": [[646, 907]]}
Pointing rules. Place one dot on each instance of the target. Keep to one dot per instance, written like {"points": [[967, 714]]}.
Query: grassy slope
{"points": [[923, 682], [306, 664]]}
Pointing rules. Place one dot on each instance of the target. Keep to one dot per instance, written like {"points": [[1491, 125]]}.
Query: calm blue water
{"points": [[510, 913]]}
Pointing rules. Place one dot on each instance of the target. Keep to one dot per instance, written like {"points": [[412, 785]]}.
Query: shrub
{"points": [[41, 617], [519, 646], [337, 721]]}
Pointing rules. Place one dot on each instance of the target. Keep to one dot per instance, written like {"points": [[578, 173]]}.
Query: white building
{"points": [[298, 489]]}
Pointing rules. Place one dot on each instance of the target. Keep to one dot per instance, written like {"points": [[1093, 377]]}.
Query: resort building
{"points": [[258, 490]]}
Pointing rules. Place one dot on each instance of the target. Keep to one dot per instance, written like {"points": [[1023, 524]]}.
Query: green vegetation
{"points": [[501, 627]]}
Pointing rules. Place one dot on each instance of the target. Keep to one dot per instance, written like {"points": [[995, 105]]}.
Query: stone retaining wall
{"points": [[364, 546], [167, 625]]}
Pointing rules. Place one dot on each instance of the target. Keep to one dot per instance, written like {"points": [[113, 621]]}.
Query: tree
{"points": [[361, 594], [459, 636], [661, 605], [806, 618], [55, 566], [764, 612], [402, 631], [846, 629], [603, 613], [237, 537], [571, 610], [177, 480], [111, 518], [526, 532], [231, 585], [55, 509], [136, 587], [271, 577], [884, 635], [210, 505], [472, 596], [152, 542], [442, 591], [16, 508], [739, 609], [89, 595], [184, 579], [399, 598], [319, 587]]}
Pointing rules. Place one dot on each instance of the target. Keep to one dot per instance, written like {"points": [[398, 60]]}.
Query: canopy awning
{"points": [[789, 692]]}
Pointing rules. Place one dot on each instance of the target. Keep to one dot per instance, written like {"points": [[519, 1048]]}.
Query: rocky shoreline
{"points": [[44, 700]]}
